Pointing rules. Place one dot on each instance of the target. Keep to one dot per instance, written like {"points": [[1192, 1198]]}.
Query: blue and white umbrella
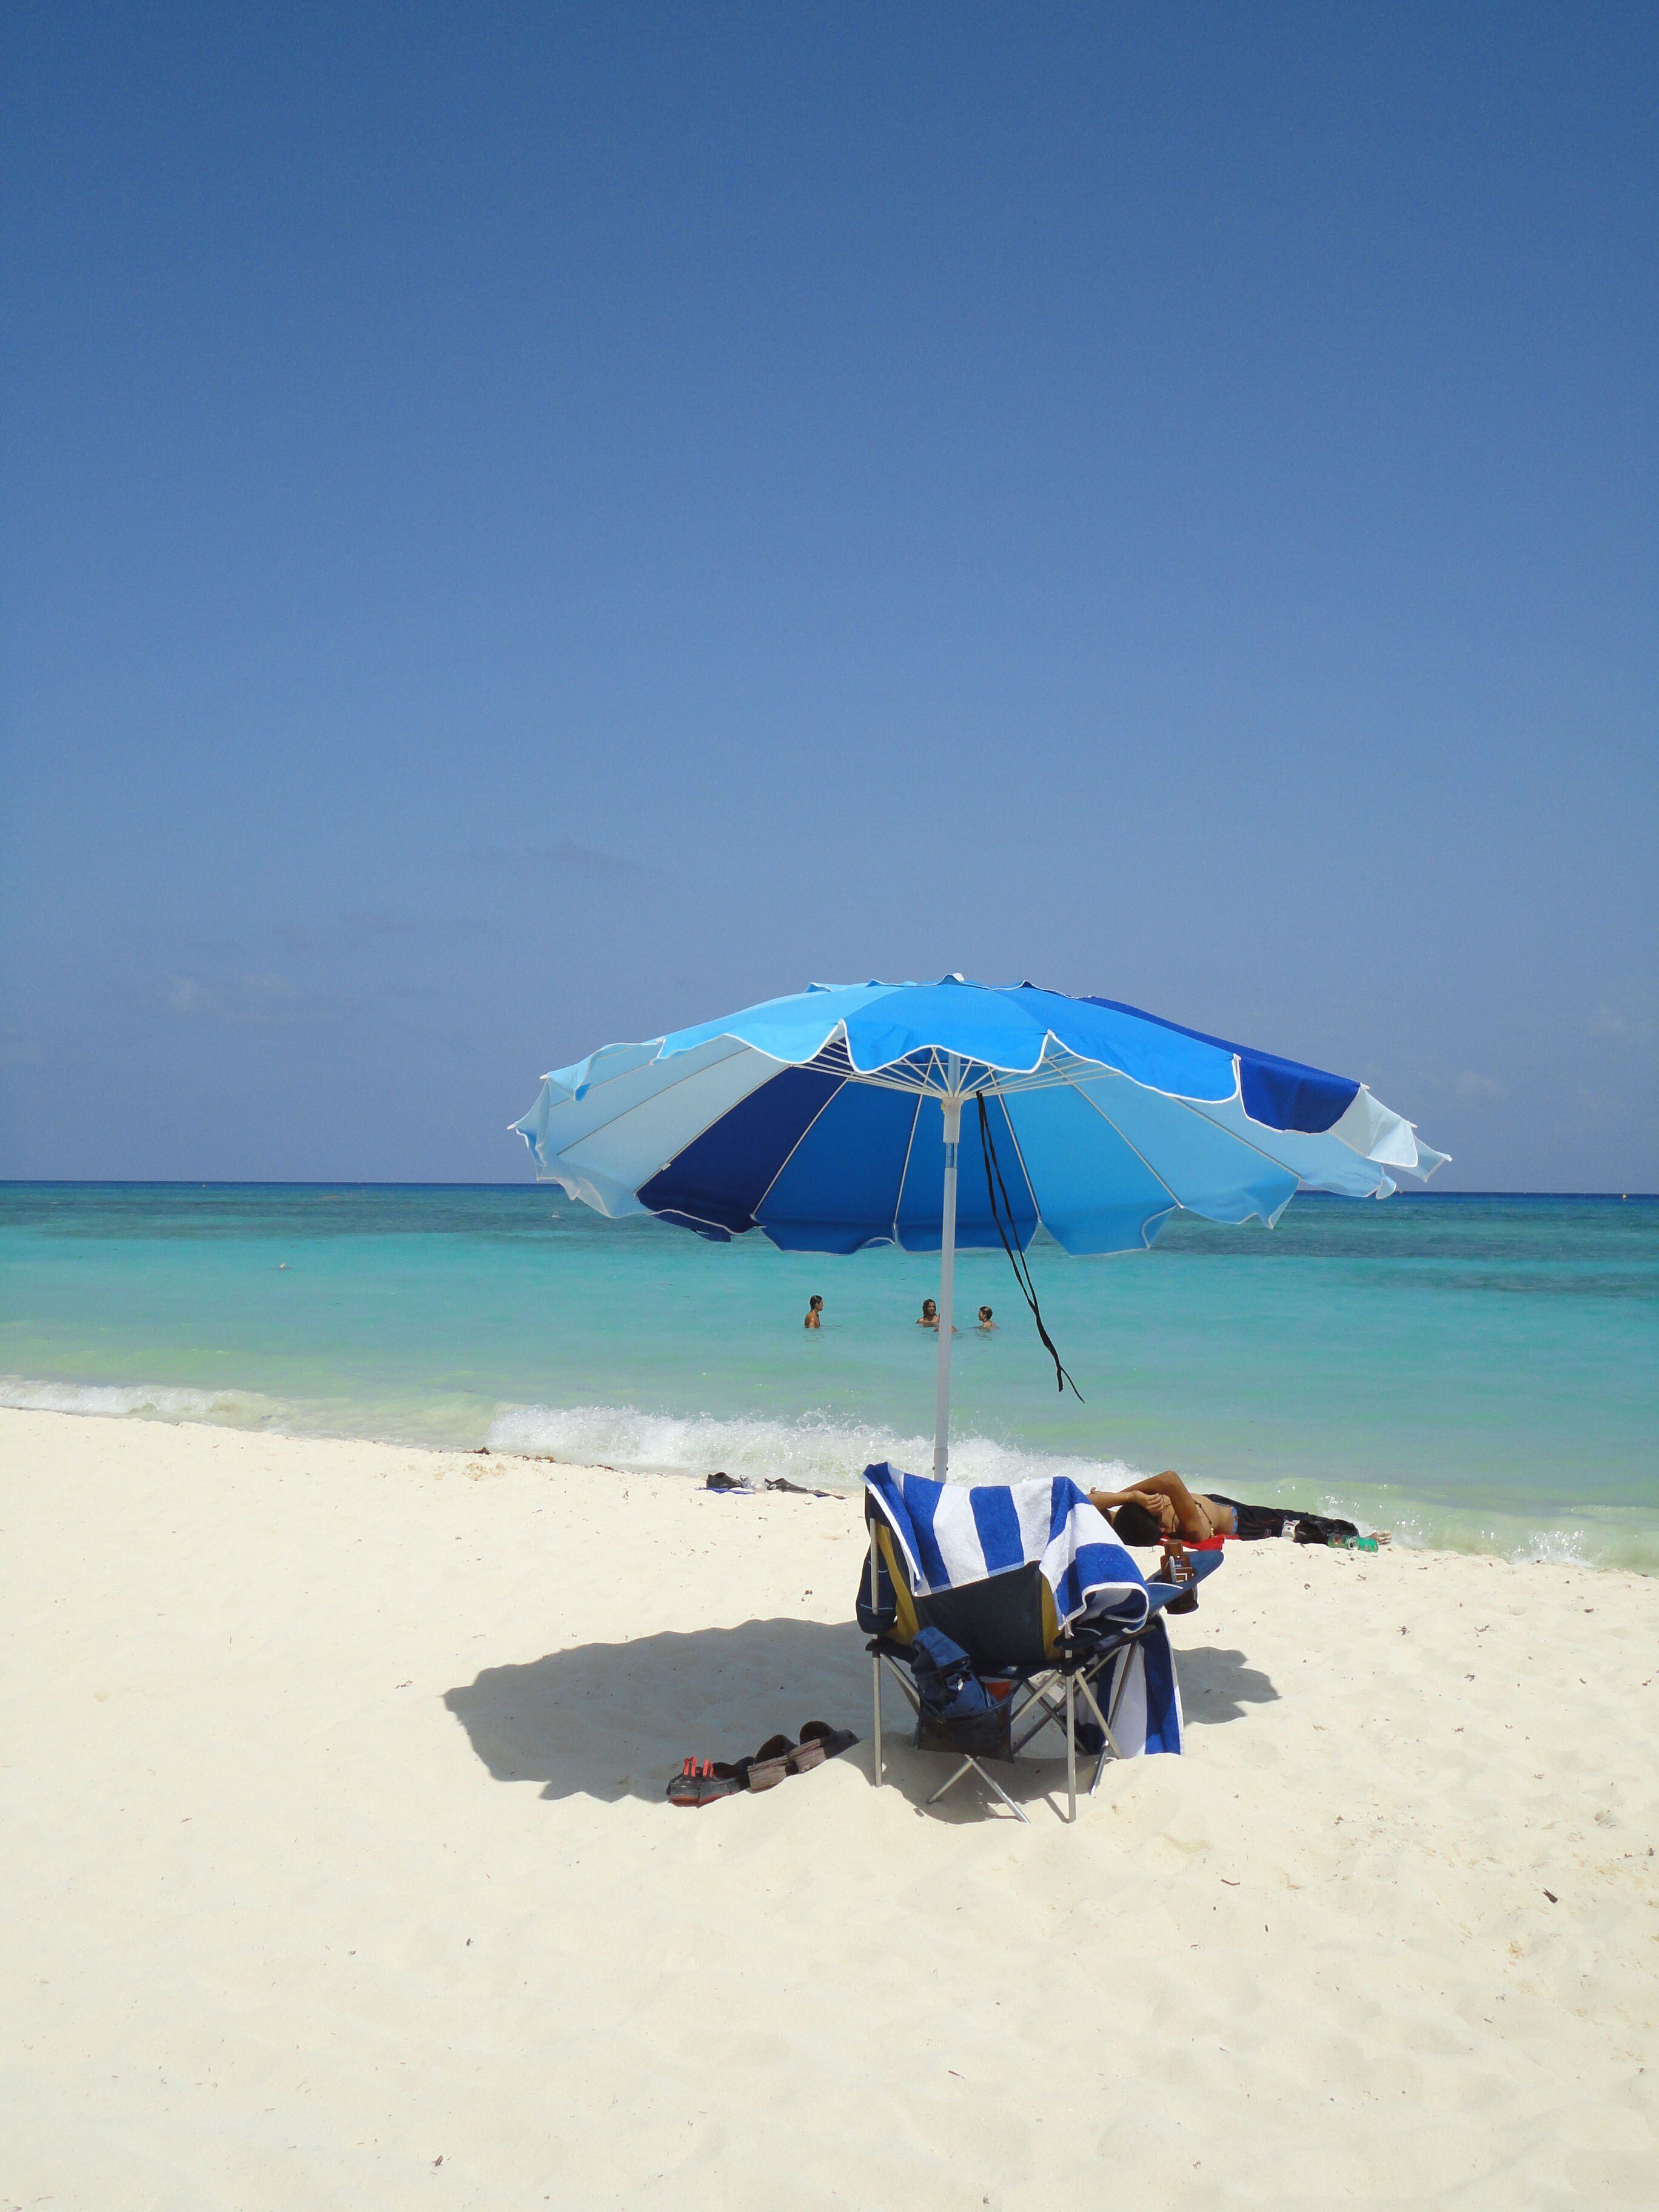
{"points": [[830, 1121]]}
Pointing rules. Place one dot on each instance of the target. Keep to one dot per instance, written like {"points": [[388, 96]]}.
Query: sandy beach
{"points": [[338, 1870]]}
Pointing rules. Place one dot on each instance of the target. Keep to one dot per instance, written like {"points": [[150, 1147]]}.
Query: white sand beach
{"points": [[338, 1871]]}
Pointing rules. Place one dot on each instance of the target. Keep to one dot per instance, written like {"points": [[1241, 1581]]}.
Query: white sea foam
{"points": [[154, 1401], [818, 1450]]}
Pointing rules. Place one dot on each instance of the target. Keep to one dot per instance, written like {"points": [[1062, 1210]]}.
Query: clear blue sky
{"points": [[527, 526]]}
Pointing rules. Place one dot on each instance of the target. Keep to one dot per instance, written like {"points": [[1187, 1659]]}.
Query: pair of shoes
{"points": [[730, 1483], [765, 1768], [700, 1781], [777, 1756]]}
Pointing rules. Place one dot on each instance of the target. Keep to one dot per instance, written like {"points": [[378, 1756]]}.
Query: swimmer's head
{"points": [[928, 1309], [815, 1303]]}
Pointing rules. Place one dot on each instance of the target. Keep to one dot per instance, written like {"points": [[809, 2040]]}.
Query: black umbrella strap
{"points": [[1002, 1209]]}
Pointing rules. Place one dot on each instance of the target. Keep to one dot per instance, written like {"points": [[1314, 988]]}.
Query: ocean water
{"points": [[1475, 1372]]}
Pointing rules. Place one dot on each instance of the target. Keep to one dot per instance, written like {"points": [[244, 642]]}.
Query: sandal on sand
{"points": [[768, 1765], [830, 1743], [686, 1787], [701, 1781]]}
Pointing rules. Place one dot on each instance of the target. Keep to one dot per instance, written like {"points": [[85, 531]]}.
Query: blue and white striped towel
{"points": [[950, 1534]]}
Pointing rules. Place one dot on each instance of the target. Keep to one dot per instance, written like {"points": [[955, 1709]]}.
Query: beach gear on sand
{"points": [[1006, 1609], [700, 1781], [834, 1740], [832, 1119], [683, 1789], [771, 1764]]}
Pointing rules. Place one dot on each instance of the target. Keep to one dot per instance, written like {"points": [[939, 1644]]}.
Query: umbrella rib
{"points": [[909, 1146], [1258, 1150], [1167, 1188], [1014, 1139], [754, 1211], [1261, 1153], [1188, 1106], [623, 1112]]}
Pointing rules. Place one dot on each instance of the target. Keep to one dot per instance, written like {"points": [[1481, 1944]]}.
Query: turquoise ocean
{"points": [[1475, 1372]]}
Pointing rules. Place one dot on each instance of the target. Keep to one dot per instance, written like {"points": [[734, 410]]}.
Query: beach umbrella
{"points": [[833, 1119]]}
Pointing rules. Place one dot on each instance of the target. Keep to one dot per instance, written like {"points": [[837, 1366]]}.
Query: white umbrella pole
{"points": [[947, 1278]]}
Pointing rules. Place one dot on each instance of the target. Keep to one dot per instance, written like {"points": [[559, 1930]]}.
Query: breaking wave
{"points": [[153, 1401], [816, 1449]]}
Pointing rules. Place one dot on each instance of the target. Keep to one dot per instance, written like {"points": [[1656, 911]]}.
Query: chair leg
{"points": [[1110, 1749], [1070, 1745], [990, 1782], [875, 1660], [953, 1782], [1051, 1713]]}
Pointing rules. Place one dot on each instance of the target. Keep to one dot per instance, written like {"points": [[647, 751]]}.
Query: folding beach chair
{"points": [[1051, 1623]]}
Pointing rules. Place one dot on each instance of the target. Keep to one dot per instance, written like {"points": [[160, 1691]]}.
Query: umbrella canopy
{"points": [[830, 1120]]}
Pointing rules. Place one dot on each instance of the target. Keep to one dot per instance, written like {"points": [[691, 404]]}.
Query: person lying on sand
{"points": [[1160, 1507]]}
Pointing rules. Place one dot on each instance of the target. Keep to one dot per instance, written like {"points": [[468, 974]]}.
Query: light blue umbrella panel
{"points": [[831, 1119]]}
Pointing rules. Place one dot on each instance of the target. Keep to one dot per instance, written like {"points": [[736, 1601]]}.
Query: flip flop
{"points": [[770, 1763], [716, 1781], [686, 1787], [831, 1742]]}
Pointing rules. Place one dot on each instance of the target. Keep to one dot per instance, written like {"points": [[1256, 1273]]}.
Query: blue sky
{"points": [[530, 525]]}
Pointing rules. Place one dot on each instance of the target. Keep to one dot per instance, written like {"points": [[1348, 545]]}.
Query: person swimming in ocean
{"points": [[928, 1317], [986, 1324], [814, 1312], [1160, 1509]]}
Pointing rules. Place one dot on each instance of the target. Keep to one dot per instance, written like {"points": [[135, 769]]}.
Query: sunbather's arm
{"points": [[1193, 1518]]}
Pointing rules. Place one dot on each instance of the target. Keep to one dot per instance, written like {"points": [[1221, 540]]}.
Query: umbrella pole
{"points": [[947, 1278]]}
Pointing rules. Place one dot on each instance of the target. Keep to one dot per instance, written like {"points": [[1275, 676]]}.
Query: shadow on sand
{"points": [[610, 1720], [1217, 1685], [615, 1720]]}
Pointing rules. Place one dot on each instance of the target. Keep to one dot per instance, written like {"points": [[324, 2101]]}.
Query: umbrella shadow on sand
{"points": [[614, 1720], [610, 1720]]}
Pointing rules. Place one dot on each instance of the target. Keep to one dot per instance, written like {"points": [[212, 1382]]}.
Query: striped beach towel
{"points": [[951, 1534]]}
